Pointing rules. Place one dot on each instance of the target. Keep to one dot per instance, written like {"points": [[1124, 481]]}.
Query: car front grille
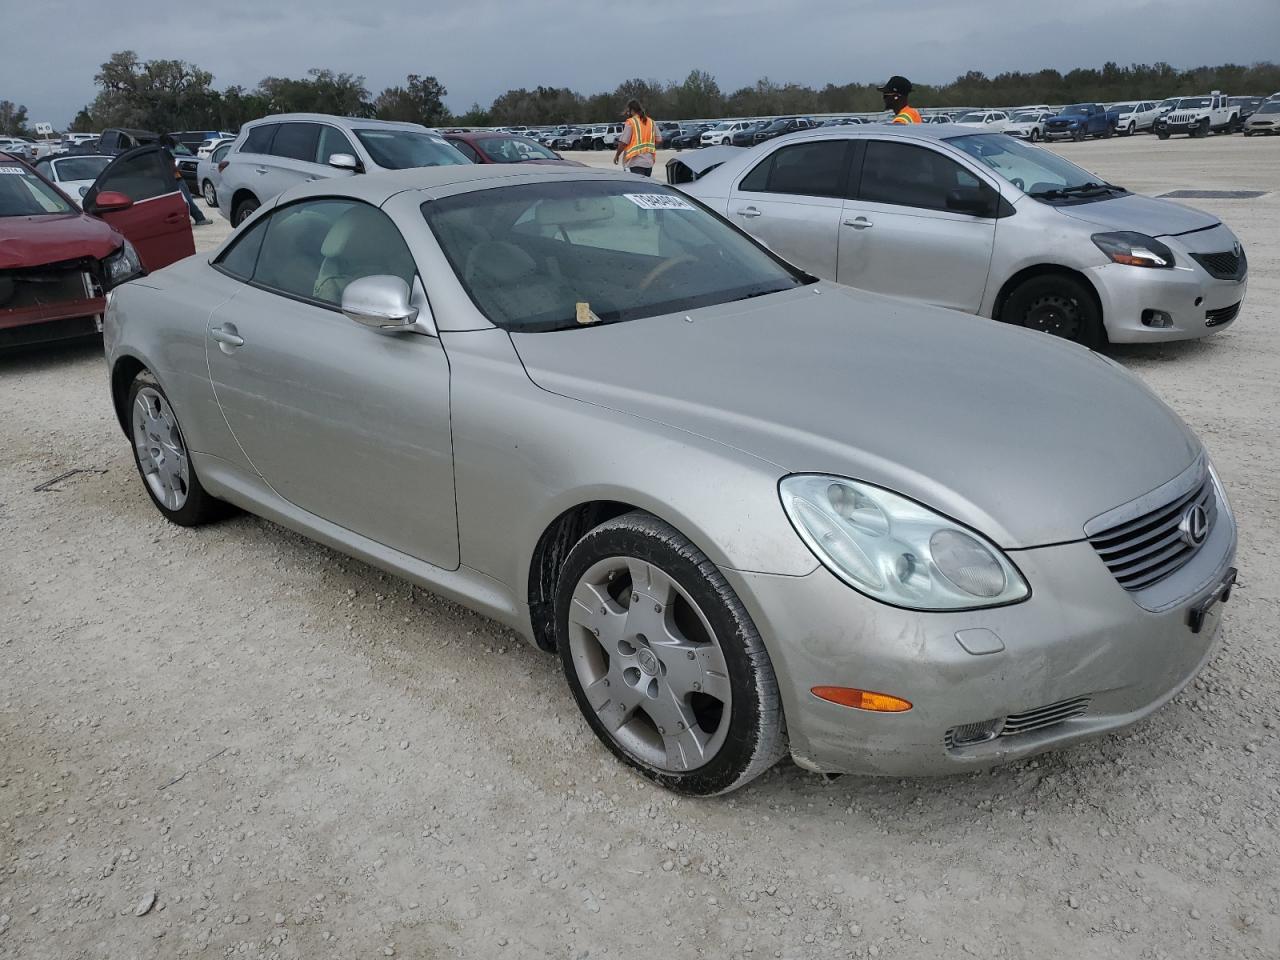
{"points": [[1016, 724], [1227, 265], [47, 286], [1216, 318], [1144, 551]]}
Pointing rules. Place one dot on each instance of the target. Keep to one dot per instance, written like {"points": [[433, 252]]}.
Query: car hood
{"points": [[1022, 436], [1155, 218], [32, 241]]}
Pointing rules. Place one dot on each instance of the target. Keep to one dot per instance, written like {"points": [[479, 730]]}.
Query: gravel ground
{"points": [[232, 741]]}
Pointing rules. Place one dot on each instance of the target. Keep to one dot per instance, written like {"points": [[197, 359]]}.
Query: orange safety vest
{"points": [[908, 115], [641, 138]]}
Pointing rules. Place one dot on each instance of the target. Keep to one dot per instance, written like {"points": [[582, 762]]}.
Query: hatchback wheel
{"points": [[163, 460], [1035, 135], [243, 210], [1057, 305], [663, 660], [210, 194]]}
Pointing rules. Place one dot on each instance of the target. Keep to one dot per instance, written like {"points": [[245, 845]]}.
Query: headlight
{"points": [[1134, 249], [122, 265], [895, 550]]}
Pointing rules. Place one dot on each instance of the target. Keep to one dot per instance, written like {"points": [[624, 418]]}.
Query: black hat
{"points": [[897, 85]]}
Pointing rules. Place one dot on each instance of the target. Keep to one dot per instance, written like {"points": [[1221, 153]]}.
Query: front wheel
{"points": [[1057, 305], [163, 461], [1162, 134], [1035, 135], [664, 661]]}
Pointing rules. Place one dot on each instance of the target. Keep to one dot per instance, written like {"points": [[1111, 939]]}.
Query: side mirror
{"points": [[344, 161], [380, 302], [108, 201], [974, 201]]}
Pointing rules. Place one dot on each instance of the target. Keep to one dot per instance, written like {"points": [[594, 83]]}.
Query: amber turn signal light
{"points": [[862, 699]]}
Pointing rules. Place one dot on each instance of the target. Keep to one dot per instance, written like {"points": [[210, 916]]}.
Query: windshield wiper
{"points": [[1078, 190]]}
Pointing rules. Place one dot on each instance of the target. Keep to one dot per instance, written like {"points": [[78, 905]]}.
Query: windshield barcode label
{"points": [[658, 201]]}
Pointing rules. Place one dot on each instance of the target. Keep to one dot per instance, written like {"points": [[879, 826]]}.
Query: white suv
{"points": [[1199, 117], [722, 133], [1135, 116], [275, 153]]}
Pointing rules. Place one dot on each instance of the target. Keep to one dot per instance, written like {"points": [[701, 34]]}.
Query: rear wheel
{"points": [[210, 194], [1059, 305], [243, 210], [1106, 134], [664, 661], [163, 461]]}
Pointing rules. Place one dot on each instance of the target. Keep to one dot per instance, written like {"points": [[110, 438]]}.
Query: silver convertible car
{"points": [[753, 512], [980, 222]]}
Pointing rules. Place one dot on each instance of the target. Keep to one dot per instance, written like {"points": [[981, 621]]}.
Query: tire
{"points": [[163, 462], [1078, 135], [1202, 129], [1131, 129], [1106, 134], [705, 670], [1162, 134], [1035, 135], [243, 210], [1058, 305], [209, 193]]}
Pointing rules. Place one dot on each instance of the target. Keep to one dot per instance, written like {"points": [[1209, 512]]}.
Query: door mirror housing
{"points": [[344, 161], [380, 302], [975, 201], [109, 201]]}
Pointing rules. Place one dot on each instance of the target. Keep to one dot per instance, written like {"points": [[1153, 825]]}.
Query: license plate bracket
{"points": [[1198, 614]]}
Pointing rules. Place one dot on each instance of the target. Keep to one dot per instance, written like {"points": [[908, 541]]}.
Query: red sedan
{"points": [[486, 147], [57, 263]]}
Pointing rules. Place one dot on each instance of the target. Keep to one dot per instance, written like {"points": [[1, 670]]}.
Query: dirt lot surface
{"points": [[233, 742]]}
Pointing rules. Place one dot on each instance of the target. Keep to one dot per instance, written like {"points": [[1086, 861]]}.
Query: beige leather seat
{"points": [[362, 243]]}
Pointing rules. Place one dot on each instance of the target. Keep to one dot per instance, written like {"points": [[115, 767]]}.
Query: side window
{"points": [[142, 176], [242, 256], [313, 250], [296, 141], [332, 140], [815, 169], [221, 153], [467, 150], [910, 176], [259, 139]]}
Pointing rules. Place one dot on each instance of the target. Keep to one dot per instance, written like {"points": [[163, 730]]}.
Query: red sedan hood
{"points": [[32, 241]]}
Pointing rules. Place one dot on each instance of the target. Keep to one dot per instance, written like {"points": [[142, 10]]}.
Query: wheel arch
{"points": [[242, 194], [1040, 270], [123, 372]]}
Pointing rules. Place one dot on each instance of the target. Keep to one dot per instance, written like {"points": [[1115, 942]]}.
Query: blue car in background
{"points": [[1082, 120]]}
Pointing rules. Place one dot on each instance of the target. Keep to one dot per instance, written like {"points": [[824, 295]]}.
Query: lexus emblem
{"points": [[1194, 526]]}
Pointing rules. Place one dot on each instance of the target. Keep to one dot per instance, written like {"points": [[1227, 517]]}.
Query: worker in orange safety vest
{"points": [[639, 141], [895, 93]]}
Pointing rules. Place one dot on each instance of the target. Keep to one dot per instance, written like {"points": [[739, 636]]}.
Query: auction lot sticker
{"points": [[658, 201], [16, 171]]}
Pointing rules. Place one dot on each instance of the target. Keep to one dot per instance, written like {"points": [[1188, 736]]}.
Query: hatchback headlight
{"points": [[124, 264], [895, 550], [1134, 249]]}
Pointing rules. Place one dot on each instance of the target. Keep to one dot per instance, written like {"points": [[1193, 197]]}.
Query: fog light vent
{"points": [[1156, 318], [968, 734]]}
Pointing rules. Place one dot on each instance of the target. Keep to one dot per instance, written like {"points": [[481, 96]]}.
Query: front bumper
{"points": [[1054, 133], [1079, 636], [1193, 303]]}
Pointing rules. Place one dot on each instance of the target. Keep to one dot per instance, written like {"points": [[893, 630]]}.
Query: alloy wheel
{"points": [[210, 195], [161, 453], [649, 664]]}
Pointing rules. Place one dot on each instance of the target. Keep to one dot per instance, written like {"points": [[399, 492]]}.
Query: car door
{"points": [[793, 199], [347, 423], [155, 219], [293, 158], [898, 237]]}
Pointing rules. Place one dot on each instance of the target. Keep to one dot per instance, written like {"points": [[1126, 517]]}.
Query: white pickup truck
{"points": [[1199, 117]]}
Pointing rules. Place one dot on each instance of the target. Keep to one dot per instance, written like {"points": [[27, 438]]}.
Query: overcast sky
{"points": [[51, 49]]}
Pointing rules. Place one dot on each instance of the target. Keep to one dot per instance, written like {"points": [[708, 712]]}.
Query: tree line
{"points": [[176, 95]]}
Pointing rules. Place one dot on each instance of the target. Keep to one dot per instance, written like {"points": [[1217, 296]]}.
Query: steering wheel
{"points": [[663, 267], [1018, 182]]}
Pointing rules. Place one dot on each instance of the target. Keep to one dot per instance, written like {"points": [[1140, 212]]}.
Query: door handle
{"points": [[749, 212], [227, 336], [175, 218], [259, 169], [859, 223]]}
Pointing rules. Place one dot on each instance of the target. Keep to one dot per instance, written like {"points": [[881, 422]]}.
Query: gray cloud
{"points": [[482, 47]]}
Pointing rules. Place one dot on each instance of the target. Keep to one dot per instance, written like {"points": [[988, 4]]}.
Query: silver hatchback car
{"points": [[281, 151], [983, 223], [752, 512]]}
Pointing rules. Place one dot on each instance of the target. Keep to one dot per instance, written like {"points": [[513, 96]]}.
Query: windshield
{"points": [[1123, 107], [402, 149], [1075, 110], [1028, 117], [23, 194], [81, 168], [1030, 169], [724, 126], [975, 117], [1190, 103], [1167, 104], [513, 150], [556, 255], [1272, 106]]}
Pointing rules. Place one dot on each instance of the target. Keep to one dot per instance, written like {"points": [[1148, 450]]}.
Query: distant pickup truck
{"points": [[1082, 120], [1199, 117]]}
